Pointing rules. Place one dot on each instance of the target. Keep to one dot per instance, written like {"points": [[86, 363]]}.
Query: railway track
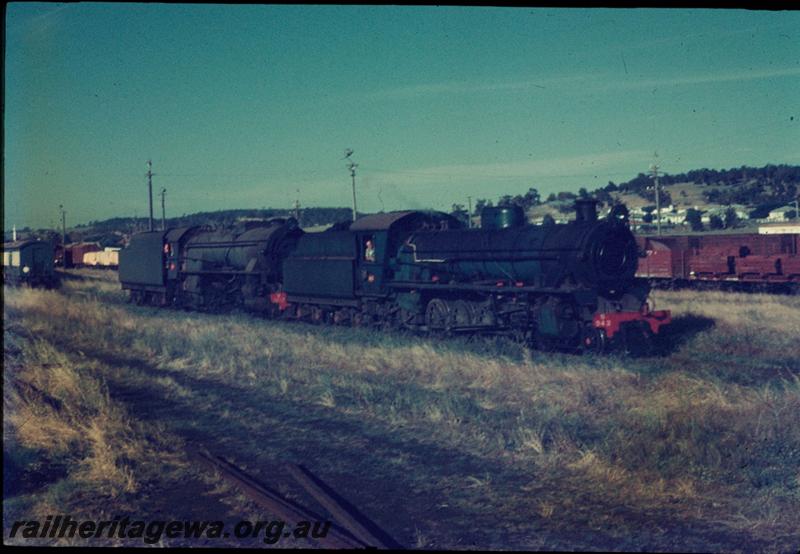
{"points": [[351, 529]]}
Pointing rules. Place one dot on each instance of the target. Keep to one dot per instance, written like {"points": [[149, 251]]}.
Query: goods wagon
{"points": [[108, 257], [29, 262], [745, 261]]}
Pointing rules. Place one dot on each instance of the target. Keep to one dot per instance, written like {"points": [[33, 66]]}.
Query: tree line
{"points": [[765, 188], [222, 218], [778, 184]]}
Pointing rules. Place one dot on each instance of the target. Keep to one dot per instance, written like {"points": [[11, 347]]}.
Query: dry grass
{"points": [[78, 421], [706, 437], [68, 447]]}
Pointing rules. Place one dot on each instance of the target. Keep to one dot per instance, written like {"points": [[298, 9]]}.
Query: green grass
{"points": [[697, 449]]}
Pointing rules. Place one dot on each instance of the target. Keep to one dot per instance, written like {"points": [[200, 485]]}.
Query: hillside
{"points": [[679, 195], [752, 192]]}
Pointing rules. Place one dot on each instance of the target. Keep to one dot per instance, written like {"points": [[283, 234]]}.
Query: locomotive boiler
{"points": [[585, 252]]}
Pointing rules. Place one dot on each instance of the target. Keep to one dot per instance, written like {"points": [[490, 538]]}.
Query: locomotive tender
{"points": [[565, 286]]}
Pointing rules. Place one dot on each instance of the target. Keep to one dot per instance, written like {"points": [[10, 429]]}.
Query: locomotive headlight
{"points": [[25, 269]]}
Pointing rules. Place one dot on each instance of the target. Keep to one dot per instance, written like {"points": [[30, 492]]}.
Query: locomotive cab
{"points": [[371, 265]]}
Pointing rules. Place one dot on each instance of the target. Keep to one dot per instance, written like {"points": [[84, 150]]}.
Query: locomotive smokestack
{"points": [[586, 209]]}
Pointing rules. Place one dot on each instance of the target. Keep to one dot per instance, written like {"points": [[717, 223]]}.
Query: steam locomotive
{"points": [[555, 286]]}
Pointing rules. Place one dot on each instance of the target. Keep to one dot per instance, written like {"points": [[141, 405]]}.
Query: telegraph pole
{"points": [[150, 189], [352, 167], [163, 210], [654, 169], [353, 175], [469, 213], [63, 225], [63, 235]]}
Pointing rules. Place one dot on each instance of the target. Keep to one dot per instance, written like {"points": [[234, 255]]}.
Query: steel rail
{"points": [[338, 537]]}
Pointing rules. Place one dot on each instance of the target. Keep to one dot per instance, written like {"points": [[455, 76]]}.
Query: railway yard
{"points": [[425, 277], [449, 443]]}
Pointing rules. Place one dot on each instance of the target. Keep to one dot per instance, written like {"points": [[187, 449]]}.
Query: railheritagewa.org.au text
{"points": [[151, 532]]}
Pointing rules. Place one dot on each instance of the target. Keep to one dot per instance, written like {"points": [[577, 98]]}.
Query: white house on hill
{"points": [[780, 214]]}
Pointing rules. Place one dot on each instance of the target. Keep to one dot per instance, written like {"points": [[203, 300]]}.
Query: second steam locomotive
{"points": [[556, 286]]}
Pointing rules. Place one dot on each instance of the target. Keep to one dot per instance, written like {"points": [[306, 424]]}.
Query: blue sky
{"points": [[242, 106]]}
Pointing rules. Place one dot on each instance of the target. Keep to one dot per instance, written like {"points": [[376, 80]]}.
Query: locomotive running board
{"points": [[321, 300], [612, 322], [485, 288]]}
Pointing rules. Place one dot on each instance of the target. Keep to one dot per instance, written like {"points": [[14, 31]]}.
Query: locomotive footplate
{"points": [[612, 322]]}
